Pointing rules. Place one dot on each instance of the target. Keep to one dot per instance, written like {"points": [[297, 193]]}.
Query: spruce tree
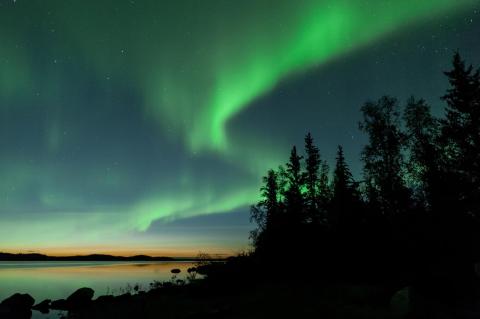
{"points": [[312, 179], [266, 213], [293, 194], [461, 132], [344, 192]]}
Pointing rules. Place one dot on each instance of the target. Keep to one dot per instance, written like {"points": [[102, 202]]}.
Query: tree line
{"points": [[416, 207]]}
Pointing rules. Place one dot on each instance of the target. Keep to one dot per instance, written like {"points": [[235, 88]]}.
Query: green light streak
{"points": [[199, 203], [198, 73], [195, 65], [321, 32]]}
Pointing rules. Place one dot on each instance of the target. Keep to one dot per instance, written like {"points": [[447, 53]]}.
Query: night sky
{"points": [[145, 126]]}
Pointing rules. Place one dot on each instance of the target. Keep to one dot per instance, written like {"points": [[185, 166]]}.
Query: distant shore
{"points": [[92, 257]]}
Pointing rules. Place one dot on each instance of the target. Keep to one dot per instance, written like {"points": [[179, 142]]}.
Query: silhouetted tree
{"points": [[387, 194], [455, 186], [294, 202], [421, 134], [345, 197], [266, 212], [382, 226], [426, 182], [324, 190], [382, 156], [312, 179], [461, 133]]}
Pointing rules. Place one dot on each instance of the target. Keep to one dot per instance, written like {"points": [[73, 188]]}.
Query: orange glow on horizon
{"points": [[126, 252]]}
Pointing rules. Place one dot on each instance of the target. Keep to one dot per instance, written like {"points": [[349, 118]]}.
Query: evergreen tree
{"points": [[324, 191], [461, 133], [294, 202], [436, 160], [345, 196], [312, 179], [266, 213]]}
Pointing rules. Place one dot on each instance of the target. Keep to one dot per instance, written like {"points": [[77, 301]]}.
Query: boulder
{"points": [[60, 304], [104, 301], [105, 298], [43, 306], [80, 298], [19, 301], [400, 302], [17, 306], [124, 298]]}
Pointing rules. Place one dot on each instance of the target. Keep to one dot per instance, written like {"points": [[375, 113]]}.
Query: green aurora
{"points": [[192, 67]]}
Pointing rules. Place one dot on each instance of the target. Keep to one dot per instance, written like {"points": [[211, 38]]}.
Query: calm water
{"points": [[56, 280]]}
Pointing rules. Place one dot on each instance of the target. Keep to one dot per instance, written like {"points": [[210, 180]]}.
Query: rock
{"points": [[43, 307], [17, 306], [104, 301], [60, 304], [123, 298], [19, 301], [12, 314], [106, 298], [80, 298], [400, 302]]}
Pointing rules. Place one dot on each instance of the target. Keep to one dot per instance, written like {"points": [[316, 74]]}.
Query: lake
{"points": [[58, 279]]}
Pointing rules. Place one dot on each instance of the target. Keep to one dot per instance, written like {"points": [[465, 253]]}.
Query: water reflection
{"points": [[55, 280]]}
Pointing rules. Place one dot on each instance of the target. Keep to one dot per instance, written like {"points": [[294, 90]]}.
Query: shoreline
{"points": [[242, 288], [94, 257]]}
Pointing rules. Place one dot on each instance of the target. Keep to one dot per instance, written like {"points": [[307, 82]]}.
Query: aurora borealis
{"points": [[145, 126]]}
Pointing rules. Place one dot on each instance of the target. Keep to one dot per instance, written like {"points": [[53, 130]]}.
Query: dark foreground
{"points": [[265, 300], [238, 289]]}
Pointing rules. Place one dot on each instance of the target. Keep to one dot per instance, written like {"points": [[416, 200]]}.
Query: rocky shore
{"points": [[226, 294]]}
